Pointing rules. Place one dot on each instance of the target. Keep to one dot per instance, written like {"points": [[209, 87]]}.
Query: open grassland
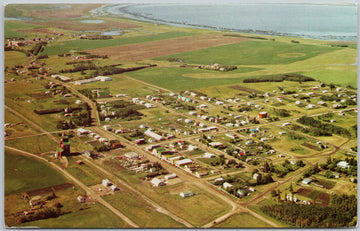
{"points": [[83, 172], [122, 85], [22, 129], [242, 220], [148, 50], [140, 211], [187, 208], [174, 79], [24, 173], [49, 11], [85, 44], [34, 144], [248, 53], [11, 29], [13, 58], [96, 216]]}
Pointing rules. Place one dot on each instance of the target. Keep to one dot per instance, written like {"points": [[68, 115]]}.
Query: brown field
{"points": [[41, 30], [311, 146], [148, 50], [78, 26], [303, 191], [323, 198], [75, 11], [240, 88]]}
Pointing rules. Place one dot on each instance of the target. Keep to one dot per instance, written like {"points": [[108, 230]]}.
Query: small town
{"points": [[113, 131]]}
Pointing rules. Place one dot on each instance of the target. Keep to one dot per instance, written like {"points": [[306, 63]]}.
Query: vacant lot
{"points": [[24, 174], [137, 52]]}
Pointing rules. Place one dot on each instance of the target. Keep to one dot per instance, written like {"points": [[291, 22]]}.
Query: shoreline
{"points": [[122, 11]]}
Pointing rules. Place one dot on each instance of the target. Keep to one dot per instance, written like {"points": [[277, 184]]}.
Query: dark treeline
{"points": [[318, 128], [280, 78], [339, 214]]}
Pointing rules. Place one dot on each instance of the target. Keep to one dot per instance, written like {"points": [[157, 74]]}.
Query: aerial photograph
{"points": [[193, 114]]}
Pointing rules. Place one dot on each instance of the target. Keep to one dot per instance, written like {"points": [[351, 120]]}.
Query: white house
{"points": [[170, 176], [106, 182], [102, 78], [343, 164], [183, 162], [131, 155], [208, 155], [226, 185], [153, 135], [114, 188]]}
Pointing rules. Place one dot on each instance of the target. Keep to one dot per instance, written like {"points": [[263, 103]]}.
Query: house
{"points": [[170, 176], [106, 182], [343, 164], [131, 155], [220, 179], [114, 188], [208, 155], [242, 192], [36, 200], [262, 115], [156, 182], [82, 131], [192, 147], [81, 199], [231, 136], [215, 144], [226, 185], [186, 194], [306, 181], [255, 176], [183, 162], [139, 141], [202, 173], [102, 78]]}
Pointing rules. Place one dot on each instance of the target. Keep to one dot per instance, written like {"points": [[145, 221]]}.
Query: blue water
{"points": [[331, 22]]}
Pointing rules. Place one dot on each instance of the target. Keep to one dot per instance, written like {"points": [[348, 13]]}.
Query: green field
{"points": [[249, 53], [173, 79], [100, 217], [139, 211], [242, 220], [11, 27], [34, 144], [85, 44], [24, 174]]}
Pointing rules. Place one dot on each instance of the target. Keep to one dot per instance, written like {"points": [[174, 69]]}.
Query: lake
{"points": [[320, 21]]}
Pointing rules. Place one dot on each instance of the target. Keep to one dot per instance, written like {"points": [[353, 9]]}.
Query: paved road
{"points": [[89, 192]]}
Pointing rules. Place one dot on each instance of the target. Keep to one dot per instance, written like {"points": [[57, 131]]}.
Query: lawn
{"points": [[253, 53], [84, 173], [242, 220], [85, 44], [24, 174]]}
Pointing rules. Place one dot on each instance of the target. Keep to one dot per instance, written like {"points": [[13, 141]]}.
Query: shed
{"points": [[157, 182], [186, 194]]}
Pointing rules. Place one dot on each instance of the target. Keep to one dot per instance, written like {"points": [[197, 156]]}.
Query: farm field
{"points": [[24, 174], [162, 126]]}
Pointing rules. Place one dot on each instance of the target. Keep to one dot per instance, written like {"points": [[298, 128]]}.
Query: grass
{"points": [[11, 27], [252, 52], [174, 79], [343, 77], [24, 174], [34, 144], [140, 211], [242, 220], [84, 173], [96, 216], [85, 44]]}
